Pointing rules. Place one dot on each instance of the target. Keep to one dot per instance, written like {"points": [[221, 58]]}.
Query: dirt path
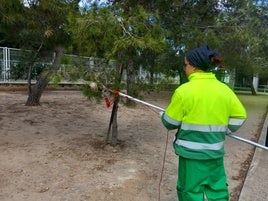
{"points": [[56, 152]]}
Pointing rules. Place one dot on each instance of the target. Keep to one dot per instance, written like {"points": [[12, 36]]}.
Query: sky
{"points": [[86, 2]]}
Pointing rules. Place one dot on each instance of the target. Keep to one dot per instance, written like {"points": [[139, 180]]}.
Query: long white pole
{"points": [[162, 109], [140, 101]]}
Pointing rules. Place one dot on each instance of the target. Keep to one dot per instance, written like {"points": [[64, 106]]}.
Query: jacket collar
{"points": [[201, 75]]}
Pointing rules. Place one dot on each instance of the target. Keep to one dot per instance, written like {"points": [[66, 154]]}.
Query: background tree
{"points": [[38, 26], [12, 21], [238, 29], [46, 21], [244, 39]]}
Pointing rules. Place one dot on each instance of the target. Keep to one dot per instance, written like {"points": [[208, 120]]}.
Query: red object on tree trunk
{"points": [[107, 102]]}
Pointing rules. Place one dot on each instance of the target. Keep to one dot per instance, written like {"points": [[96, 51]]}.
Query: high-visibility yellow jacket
{"points": [[203, 110]]}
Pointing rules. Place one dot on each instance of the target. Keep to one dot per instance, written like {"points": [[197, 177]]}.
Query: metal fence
{"points": [[14, 63]]}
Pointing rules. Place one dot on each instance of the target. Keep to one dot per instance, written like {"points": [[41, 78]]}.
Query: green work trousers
{"points": [[198, 179]]}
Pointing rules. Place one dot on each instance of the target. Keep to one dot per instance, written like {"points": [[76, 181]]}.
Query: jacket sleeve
{"points": [[238, 114], [172, 116]]}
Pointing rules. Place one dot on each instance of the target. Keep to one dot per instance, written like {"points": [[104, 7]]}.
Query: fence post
{"points": [[256, 81], [266, 142], [6, 63]]}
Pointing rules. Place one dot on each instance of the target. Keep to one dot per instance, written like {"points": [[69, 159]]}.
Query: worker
{"points": [[202, 110]]}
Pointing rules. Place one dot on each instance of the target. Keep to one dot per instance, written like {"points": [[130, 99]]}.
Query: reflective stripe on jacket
{"points": [[203, 110]]}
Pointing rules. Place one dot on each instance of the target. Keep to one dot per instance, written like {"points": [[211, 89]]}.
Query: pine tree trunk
{"points": [[131, 81], [113, 119], [114, 141], [253, 91], [35, 91], [34, 94]]}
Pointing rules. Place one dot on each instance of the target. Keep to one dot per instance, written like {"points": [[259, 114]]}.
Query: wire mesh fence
{"points": [[15, 63]]}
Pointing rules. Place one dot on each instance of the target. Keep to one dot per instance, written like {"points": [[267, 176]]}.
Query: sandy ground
{"points": [[57, 152]]}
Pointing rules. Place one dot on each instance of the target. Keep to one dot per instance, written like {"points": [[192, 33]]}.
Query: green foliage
{"points": [[56, 78], [244, 37], [12, 20], [93, 32], [91, 93], [140, 33], [117, 34], [21, 71]]}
